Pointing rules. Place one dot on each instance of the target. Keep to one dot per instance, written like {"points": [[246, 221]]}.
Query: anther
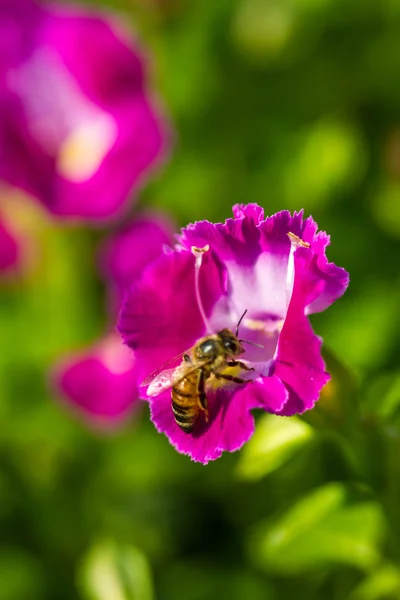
{"points": [[295, 242]]}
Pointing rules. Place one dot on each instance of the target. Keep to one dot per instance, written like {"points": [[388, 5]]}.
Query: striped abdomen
{"points": [[187, 400]]}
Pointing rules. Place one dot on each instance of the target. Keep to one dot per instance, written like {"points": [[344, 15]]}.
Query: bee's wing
{"points": [[167, 378], [162, 369]]}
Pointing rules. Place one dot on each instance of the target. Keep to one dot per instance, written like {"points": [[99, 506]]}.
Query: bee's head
{"points": [[230, 342]]}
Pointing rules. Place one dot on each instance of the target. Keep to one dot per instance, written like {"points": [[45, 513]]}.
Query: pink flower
{"points": [[78, 127], [130, 249], [99, 383], [276, 269]]}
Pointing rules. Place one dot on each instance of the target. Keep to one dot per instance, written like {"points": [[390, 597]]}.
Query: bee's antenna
{"points": [[198, 253], [245, 341], [240, 320], [252, 343]]}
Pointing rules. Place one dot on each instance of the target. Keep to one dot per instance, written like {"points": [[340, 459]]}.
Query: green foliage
{"points": [[275, 441], [121, 573], [195, 580], [320, 529], [383, 583], [21, 575]]}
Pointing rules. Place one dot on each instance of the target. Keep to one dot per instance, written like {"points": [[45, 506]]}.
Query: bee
{"points": [[208, 358]]}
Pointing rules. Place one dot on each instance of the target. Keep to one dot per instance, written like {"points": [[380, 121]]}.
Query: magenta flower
{"points": [[78, 128], [99, 383], [276, 269], [129, 250]]}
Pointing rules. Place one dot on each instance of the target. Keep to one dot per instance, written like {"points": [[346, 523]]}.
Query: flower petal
{"points": [[99, 383], [251, 211], [268, 393], [129, 250], [332, 281], [160, 316], [299, 364], [255, 257], [256, 252], [231, 425], [230, 421]]}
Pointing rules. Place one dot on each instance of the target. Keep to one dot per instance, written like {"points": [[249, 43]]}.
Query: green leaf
{"points": [[329, 155], [263, 29], [337, 406], [383, 397], [21, 575], [364, 330], [115, 572], [386, 208], [382, 583], [323, 528], [199, 580], [275, 441]]}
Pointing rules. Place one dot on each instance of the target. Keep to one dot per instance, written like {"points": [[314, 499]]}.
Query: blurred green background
{"points": [[291, 104]]}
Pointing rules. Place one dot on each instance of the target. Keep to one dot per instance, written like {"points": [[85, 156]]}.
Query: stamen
{"points": [[198, 253], [294, 239], [295, 242]]}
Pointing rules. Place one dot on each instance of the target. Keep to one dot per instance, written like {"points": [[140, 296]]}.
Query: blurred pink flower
{"points": [[99, 383], [130, 249], [78, 128]]}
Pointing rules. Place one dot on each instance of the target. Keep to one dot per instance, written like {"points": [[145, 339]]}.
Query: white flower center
{"points": [[264, 289], [68, 126]]}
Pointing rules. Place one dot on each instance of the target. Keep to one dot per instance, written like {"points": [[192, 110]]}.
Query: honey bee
{"points": [[207, 358]]}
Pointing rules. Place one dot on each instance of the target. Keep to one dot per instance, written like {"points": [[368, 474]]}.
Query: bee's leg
{"points": [[231, 378], [239, 363], [201, 392]]}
